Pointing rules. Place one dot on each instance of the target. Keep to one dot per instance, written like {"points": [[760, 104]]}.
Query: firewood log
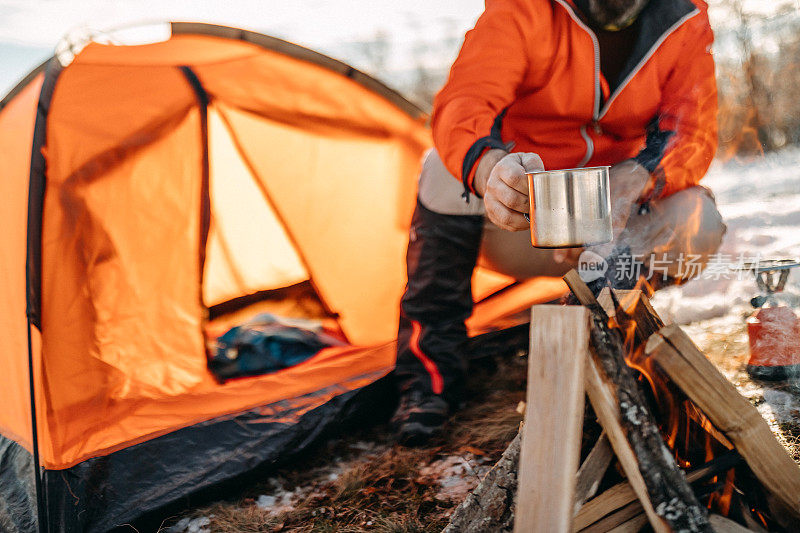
{"points": [[490, 507], [675, 353], [622, 409], [551, 436]]}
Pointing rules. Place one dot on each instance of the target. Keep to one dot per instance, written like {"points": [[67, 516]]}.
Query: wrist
{"points": [[647, 180], [484, 169]]}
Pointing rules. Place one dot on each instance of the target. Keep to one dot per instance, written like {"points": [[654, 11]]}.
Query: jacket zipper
{"points": [[596, 104], [597, 114], [589, 147]]}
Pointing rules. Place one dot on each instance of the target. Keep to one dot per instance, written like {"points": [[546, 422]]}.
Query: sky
{"points": [[30, 29]]}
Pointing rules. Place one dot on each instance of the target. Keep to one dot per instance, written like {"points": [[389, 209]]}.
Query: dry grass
{"points": [[384, 488]]}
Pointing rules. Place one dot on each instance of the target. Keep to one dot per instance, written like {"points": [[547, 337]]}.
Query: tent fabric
{"points": [[16, 131], [188, 466], [146, 184], [248, 243], [122, 217]]}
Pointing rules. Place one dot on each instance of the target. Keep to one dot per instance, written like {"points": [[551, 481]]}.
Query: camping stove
{"points": [[773, 329]]}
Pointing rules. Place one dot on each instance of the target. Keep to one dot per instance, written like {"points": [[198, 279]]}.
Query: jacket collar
{"points": [[657, 20]]}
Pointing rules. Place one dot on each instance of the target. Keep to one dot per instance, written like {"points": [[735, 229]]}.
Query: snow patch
{"points": [[782, 406], [191, 525], [456, 475], [760, 203]]}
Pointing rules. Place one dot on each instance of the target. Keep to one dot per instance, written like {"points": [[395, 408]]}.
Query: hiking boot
{"points": [[419, 417]]}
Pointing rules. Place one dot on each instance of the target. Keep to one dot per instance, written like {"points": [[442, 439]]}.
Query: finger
{"points": [[504, 217], [530, 162], [511, 172], [509, 197], [559, 255]]}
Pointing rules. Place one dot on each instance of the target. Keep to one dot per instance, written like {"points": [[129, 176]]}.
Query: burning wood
{"points": [[675, 353], [665, 409], [622, 494], [668, 500]]}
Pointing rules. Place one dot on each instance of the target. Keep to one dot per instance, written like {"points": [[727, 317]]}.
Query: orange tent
{"points": [[149, 186]]}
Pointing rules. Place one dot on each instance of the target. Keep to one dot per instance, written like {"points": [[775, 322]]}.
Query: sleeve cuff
{"points": [[655, 146], [474, 154]]}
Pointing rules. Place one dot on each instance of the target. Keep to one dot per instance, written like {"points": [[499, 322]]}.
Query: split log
{"points": [[604, 399], [622, 494], [675, 353], [616, 519], [611, 500], [490, 507], [726, 525], [668, 500], [634, 525], [551, 435], [634, 305], [592, 471]]}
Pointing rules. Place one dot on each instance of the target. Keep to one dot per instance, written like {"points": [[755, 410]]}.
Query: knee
{"points": [[441, 192], [705, 223]]}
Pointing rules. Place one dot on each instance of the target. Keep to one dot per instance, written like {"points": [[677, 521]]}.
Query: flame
{"points": [[641, 285], [691, 437], [760, 516], [745, 143]]}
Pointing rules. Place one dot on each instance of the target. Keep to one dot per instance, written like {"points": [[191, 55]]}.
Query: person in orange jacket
{"points": [[553, 84]]}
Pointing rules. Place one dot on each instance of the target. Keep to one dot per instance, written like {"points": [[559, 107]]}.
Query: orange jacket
{"points": [[531, 69]]}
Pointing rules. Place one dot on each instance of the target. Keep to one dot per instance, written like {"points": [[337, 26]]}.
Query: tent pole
{"points": [[33, 262], [41, 507]]}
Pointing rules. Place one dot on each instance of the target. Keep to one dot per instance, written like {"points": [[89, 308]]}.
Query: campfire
{"points": [[680, 448]]}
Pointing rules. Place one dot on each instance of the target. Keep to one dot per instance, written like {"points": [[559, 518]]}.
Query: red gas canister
{"points": [[774, 343]]}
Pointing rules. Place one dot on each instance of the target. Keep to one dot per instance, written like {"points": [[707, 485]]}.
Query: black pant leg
{"points": [[442, 253]]}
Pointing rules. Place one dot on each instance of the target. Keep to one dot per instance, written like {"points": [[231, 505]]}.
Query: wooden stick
{"points": [[592, 470], [634, 525], [581, 291], [609, 501], [634, 305], [551, 436], [726, 525], [616, 519], [622, 410], [622, 494], [732, 414]]}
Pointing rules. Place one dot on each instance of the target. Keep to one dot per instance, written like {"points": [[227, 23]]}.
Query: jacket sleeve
{"points": [[483, 81], [682, 139]]}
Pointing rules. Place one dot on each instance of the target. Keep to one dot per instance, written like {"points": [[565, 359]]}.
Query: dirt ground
{"points": [[365, 483]]}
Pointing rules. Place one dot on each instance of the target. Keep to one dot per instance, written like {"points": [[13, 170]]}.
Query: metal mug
{"points": [[570, 208]]}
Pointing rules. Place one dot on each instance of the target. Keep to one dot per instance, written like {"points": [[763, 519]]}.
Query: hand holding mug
{"points": [[504, 187]]}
